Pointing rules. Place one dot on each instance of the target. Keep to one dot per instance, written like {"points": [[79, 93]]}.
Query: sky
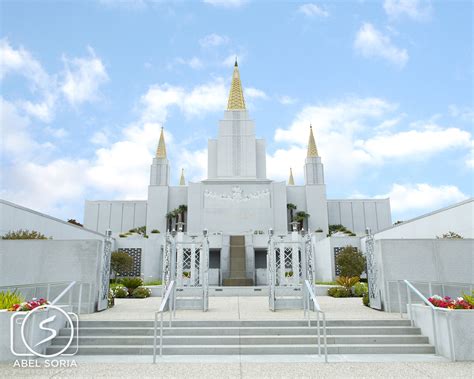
{"points": [[87, 86]]}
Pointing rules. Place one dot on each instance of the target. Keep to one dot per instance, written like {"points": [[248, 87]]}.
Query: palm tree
{"points": [[290, 207], [300, 217]]}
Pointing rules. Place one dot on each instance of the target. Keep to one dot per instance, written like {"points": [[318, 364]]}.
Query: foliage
{"points": [[326, 283], [350, 262], [114, 286], [347, 282], [120, 292], [24, 235], [447, 302], [256, 232], [451, 236], [26, 306], [8, 299], [140, 230], [360, 289], [339, 292], [365, 299], [154, 283], [110, 299], [122, 235], [141, 292], [398, 222], [289, 274], [132, 283], [469, 298], [319, 230], [120, 262], [73, 221], [154, 231], [338, 228]]}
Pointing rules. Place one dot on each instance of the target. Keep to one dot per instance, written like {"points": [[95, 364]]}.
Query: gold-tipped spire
{"points": [[236, 95], [291, 181], [312, 149], [182, 182], [161, 149]]}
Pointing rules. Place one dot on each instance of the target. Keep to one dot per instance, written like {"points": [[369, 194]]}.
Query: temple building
{"points": [[237, 203]]}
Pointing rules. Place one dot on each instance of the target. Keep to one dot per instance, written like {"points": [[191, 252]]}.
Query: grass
{"points": [[153, 283], [326, 283]]}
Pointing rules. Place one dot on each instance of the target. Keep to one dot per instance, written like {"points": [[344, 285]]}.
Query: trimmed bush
{"points": [[365, 299], [120, 262], [350, 262], [141, 292], [360, 289], [132, 283], [120, 292], [339, 292], [155, 231], [24, 235]]}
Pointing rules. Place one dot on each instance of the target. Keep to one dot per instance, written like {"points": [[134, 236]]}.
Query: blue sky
{"points": [[86, 86]]}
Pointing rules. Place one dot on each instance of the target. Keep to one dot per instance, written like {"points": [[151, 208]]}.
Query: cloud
{"points": [[254, 93], [286, 100], [419, 10], [422, 196], [370, 42], [226, 3], [194, 62], [312, 10], [213, 40], [82, 78]]}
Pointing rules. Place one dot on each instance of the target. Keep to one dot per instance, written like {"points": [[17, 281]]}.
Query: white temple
{"points": [[237, 202]]}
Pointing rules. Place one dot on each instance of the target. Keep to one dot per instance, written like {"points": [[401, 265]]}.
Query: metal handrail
{"points": [[317, 308], [171, 307], [65, 291]]}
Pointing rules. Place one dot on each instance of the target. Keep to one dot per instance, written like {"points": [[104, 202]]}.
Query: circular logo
{"points": [[47, 307]]}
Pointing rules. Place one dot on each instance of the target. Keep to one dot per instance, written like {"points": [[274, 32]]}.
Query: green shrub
{"points": [[120, 292], [347, 282], [350, 262], [339, 292], [155, 231], [154, 283], [120, 262], [141, 292], [132, 283], [116, 285], [121, 235], [24, 235], [360, 289], [110, 299], [8, 299], [365, 299]]}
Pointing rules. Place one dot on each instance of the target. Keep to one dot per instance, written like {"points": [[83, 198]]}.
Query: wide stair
{"points": [[247, 338]]}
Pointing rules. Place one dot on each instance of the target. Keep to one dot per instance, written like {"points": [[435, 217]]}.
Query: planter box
{"points": [[460, 346], [33, 334]]}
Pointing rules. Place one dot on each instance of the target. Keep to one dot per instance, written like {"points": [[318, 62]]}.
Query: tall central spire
{"points": [[312, 149], [236, 95], [161, 150]]}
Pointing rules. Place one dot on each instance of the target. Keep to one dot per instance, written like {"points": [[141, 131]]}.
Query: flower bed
{"points": [[447, 302]]}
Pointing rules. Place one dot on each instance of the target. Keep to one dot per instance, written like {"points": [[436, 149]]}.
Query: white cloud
{"points": [[226, 3], [254, 93], [280, 162], [370, 42], [422, 196], [194, 163], [83, 78], [194, 63], [287, 100], [312, 10], [100, 138], [213, 40], [419, 10]]}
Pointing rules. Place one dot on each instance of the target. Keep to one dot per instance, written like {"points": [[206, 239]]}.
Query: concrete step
{"points": [[243, 323], [244, 331], [250, 349], [232, 282], [242, 340]]}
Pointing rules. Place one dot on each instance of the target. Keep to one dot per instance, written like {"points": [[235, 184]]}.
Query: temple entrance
{"points": [[237, 275]]}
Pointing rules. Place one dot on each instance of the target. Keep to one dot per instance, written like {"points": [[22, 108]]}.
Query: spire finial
{"points": [[182, 182], [235, 64], [161, 150], [312, 150], [291, 181], [236, 95]]}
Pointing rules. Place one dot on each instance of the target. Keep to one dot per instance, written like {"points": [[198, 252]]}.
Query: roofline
{"points": [[50, 217], [469, 200]]}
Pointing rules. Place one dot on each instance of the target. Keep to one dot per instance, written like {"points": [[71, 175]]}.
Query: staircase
{"points": [[247, 338], [237, 274]]}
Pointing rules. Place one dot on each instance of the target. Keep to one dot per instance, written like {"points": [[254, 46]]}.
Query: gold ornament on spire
{"points": [[161, 150], [182, 182], [236, 95], [291, 181], [312, 149]]}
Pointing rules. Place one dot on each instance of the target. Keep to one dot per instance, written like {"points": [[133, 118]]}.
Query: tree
{"points": [[350, 262], [290, 207], [24, 235], [120, 262], [451, 236], [300, 217]]}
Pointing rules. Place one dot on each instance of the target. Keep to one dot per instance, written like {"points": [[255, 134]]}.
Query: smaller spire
{"points": [[182, 181], [291, 181], [161, 150], [312, 149]]}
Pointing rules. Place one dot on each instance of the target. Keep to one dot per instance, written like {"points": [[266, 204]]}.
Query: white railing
{"points": [[44, 290], [168, 299], [307, 297]]}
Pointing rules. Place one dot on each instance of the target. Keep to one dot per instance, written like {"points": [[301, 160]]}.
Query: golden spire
{"points": [[312, 150], [161, 150], [236, 95], [291, 181], [182, 182]]}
